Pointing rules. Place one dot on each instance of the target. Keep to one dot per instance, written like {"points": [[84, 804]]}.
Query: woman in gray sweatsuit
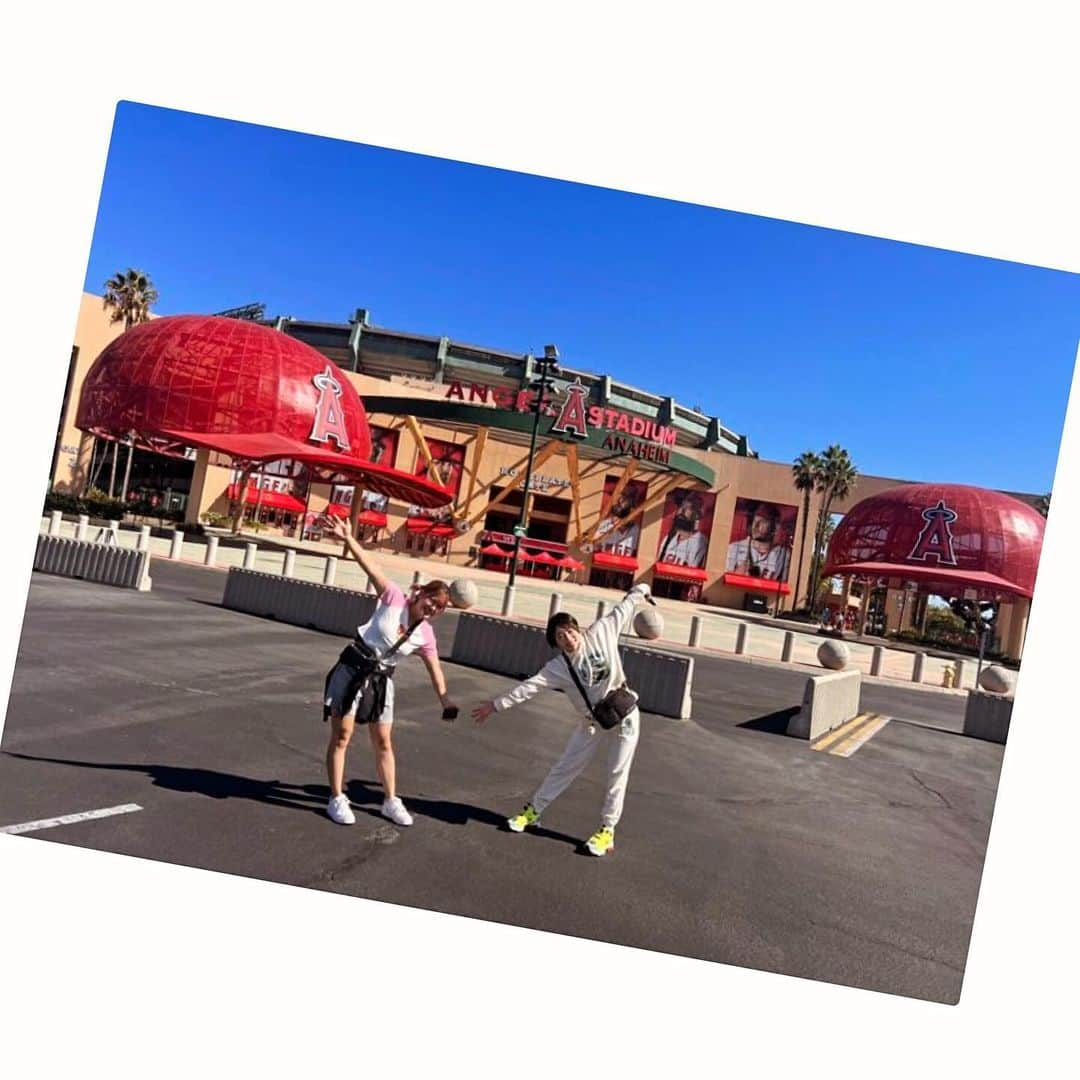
{"points": [[594, 654]]}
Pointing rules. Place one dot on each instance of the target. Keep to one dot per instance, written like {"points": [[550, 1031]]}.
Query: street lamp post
{"points": [[549, 366]]}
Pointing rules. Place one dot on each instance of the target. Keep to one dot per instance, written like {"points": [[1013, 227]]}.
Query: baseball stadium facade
{"points": [[627, 484]]}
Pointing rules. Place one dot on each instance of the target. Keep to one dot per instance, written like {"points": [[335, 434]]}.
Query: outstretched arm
{"points": [[340, 528], [620, 615], [438, 679], [543, 679]]}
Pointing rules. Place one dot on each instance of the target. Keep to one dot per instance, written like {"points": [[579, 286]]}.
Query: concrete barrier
{"points": [[55, 518], [330, 570], [695, 631], [877, 660], [508, 601], [81, 526], [211, 551], [176, 548], [740, 638], [288, 566], [301, 603], [987, 716], [828, 701], [555, 605], [106, 564], [663, 681], [789, 646], [143, 543], [249, 556]]}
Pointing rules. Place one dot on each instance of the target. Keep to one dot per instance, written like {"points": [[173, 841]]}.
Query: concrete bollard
{"points": [[740, 638], [417, 579], [555, 605], [211, 551], [289, 565], [177, 545], [55, 518], [601, 609], [508, 601], [144, 539], [917, 669], [329, 570], [959, 680], [695, 631], [249, 556], [114, 528], [370, 586], [82, 526], [789, 646], [877, 661]]}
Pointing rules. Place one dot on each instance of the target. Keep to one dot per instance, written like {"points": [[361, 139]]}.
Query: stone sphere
{"points": [[997, 680], [648, 623], [463, 593], [833, 655]]}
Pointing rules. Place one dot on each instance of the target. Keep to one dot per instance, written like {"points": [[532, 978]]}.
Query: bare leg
{"points": [[341, 729], [384, 757]]}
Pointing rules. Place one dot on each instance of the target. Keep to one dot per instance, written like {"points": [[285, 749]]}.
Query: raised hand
{"points": [[482, 712]]}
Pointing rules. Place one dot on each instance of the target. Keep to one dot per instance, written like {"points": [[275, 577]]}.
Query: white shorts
{"points": [[335, 697]]}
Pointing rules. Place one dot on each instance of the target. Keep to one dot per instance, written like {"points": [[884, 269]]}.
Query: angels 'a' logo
{"points": [[329, 417], [936, 538], [571, 419]]}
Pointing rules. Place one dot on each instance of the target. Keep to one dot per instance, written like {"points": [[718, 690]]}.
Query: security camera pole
{"points": [[548, 367]]}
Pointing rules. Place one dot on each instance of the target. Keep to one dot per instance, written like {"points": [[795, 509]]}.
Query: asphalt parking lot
{"points": [[738, 844]]}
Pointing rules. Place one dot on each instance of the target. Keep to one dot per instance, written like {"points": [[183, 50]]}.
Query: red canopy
{"points": [[495, 550], [272, 500], [570, 563], [681, 573], [949, 535], [244, 390], [544, 557], [429, 526], [755, 584], [608, 560], [374, 518]]}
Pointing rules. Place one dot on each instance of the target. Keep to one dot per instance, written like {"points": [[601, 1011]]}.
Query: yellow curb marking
{"points": [[838, 733], [858, 738]]}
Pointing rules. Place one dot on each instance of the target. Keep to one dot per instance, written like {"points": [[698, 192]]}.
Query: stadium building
{"points": [[627, 484]]}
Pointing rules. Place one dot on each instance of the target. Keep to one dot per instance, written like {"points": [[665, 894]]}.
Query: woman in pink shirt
{"points": [[394, 614]]}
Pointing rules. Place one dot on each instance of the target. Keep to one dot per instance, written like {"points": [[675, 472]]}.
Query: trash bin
{"points": [[754, 602]]}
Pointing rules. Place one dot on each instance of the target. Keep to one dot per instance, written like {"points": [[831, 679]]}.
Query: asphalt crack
{"points": [[926, 787]]}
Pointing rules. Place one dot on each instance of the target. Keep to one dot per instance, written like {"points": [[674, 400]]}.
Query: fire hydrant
{"points": [[948, 676]]}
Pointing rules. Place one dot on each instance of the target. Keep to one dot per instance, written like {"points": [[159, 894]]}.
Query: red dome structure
{"points": [[244, 390], [947, 537]]}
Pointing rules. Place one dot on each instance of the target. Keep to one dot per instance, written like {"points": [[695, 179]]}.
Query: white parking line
{"points": [[68, 819]]}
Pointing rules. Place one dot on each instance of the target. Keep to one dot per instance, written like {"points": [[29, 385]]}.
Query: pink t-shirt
{"points": [[389, 622]]}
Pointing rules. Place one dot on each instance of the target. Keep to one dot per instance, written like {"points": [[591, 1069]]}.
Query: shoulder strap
{"points": [[401, 640], [577, 683]]}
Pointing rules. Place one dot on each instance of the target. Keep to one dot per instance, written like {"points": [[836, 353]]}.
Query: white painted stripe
{"points": [[68, 819]]}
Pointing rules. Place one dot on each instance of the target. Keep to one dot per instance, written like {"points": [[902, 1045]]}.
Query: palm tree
{"points": [[130, 296], [806, 471], [836, 479]]}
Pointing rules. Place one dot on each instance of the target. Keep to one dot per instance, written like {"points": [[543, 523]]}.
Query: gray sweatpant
{"points": [[621, 744]]}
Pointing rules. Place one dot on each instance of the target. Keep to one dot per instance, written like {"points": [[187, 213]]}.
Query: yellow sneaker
{"points": [[602, 841], [520, 822]]}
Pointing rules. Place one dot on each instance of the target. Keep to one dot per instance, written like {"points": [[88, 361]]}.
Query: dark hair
{"points": [[766, 510], [433, 588], [556, 622]]}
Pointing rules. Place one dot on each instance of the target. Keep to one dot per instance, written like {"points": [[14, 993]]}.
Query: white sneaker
{"points": [[394, 809], [339, 810]]}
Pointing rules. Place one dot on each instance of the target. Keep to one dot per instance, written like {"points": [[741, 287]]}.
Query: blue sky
{"points": [[925, 364]]}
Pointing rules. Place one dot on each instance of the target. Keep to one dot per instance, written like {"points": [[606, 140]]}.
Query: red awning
{"points": [[337, 510], [272, 500], [544, 557], [680, 573], [756, 584], [568, 562], [429, 526], [375, 518], [495, 550], [608, 560]]}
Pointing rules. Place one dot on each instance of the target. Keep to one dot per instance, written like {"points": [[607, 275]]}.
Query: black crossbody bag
{"points": [[368, 677], [614, 707]]}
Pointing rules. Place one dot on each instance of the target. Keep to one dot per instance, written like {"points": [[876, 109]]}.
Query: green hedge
{"points": [[97, 504]]}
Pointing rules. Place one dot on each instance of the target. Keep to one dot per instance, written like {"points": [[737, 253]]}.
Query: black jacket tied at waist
{"points": [[367, 674]]}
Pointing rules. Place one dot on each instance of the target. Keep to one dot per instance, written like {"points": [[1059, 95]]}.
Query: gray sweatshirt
{"points": [[597, 663]]}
